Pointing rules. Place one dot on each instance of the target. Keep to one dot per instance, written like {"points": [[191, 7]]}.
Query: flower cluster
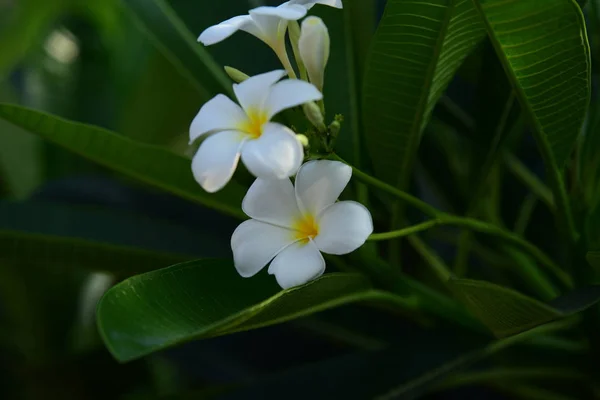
{"points": [[290, 224]]}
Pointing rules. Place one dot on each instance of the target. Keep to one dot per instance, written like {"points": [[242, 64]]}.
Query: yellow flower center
{"points": [[255, 123], [305, 228]]}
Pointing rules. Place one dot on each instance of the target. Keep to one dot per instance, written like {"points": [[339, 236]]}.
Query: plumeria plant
{"points": [[417, 186]]}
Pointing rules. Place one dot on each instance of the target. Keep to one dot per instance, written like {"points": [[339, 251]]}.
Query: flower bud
{"points": [[334, 128], [314, 49], [314, 115], [302, 139], [236, 75]]}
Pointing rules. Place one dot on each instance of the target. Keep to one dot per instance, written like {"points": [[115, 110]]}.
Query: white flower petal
{"points": [[272, 201], [222, 31], [287, 11], [255, 243], [216, 160], [217, 114], [310, 3], [319, 184], [297, 264], [290, 93], [276, 154], [253, 92], [269, 27], [343, 227], [314, 45]]}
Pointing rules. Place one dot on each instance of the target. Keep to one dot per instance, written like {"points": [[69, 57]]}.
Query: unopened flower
{"points": [[290, 226], [314, 49], [269, 150]]}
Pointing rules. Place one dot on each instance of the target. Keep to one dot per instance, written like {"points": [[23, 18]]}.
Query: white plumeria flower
{"points": [[290, 226], [314, 49], [268, 149], [269, 24]]}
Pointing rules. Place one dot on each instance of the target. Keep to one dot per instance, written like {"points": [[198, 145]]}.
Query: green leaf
{"points": [[150, 164], [207, 298], [507, 312], [417, 387], [179, 45], [66, 237], [63, 253], [20, 172], [543, 47], [416, 51], [593, 257]]}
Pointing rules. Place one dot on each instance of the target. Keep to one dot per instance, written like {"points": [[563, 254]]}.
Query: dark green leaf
{"points": [[60, 253], [207, 298], [63, 238], [593, 257], [544, 49], [507, 312], [417, 387], [179, 45], [153, 165], [418, 47]]}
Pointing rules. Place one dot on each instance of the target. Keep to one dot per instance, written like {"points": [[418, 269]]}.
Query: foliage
{"points": [[471, 128]]}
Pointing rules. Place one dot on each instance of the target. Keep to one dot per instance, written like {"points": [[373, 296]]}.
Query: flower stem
{"points": [[432, 258], [368, 179], [442, 218], [481, 227], [405, 231], [285, 60]]}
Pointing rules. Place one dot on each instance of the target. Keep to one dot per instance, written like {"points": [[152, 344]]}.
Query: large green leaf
{"points": [[66, 237], [179, 45], [153, 165], [507, 312], [207, 298], [416, 388], [543, 47], [417, 49], [62, 253]]}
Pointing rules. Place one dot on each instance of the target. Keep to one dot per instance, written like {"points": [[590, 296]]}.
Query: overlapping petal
{"points": [[216, 160], [217, 114], [255, 243], [297, 264], [343, 227], [272, 201], [320, 183], [253, 93], [276, 154], [286, 11], [290, 93]]}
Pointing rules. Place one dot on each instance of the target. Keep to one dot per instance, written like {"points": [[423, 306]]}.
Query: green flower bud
{"points": [[236, 75]]}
